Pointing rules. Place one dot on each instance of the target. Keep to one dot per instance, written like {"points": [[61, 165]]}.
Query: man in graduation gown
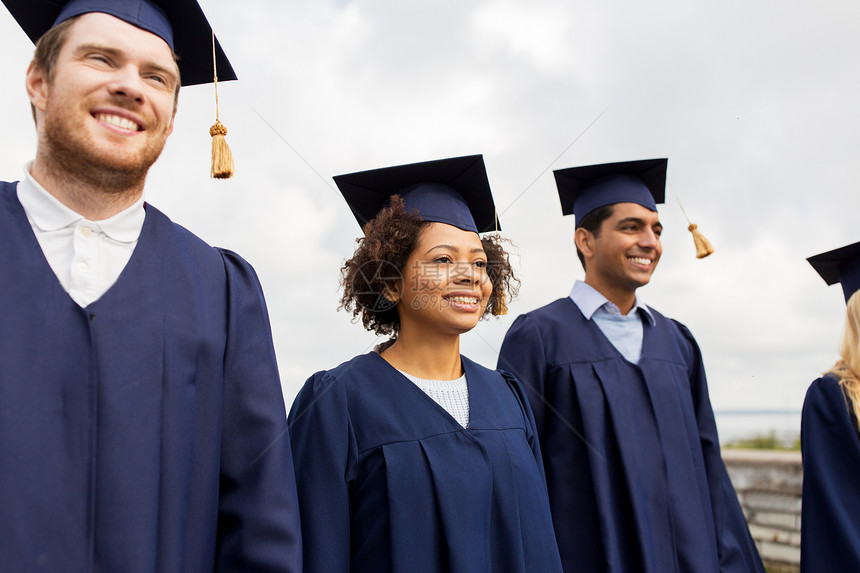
{"points": [[142, 423], [620, 400]]}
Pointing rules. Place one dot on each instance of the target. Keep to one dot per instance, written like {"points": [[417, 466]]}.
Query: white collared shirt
{"points": [[87, 256], [625, 332]]}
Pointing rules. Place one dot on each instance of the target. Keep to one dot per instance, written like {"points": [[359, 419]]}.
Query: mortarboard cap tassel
{"points": [[500, 308], [222, 157], [703, 245]]}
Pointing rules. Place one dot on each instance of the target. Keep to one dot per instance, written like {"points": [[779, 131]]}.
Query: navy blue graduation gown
{"points": [[147, 431], [830, 518], [633, 466], [389, 481]]}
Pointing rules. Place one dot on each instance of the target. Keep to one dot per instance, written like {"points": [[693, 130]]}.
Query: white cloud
{"points": [[537, 31]]}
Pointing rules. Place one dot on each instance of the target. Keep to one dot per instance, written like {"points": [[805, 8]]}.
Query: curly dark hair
{"points": [[381, 256]]}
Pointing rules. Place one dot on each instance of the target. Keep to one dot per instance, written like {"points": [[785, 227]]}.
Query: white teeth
{"points": [[117, 121], [640, 260], [464, 299]]}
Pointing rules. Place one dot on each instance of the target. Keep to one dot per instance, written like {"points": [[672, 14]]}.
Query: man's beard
{"points": [[72, 155]]}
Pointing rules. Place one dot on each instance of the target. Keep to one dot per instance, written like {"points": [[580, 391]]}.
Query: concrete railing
{"points": [[768, 484]]}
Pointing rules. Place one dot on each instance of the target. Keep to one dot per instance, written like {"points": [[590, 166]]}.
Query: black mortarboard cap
{"points": [[180, 23], [841, 265], [584, 189], [455, 191]]}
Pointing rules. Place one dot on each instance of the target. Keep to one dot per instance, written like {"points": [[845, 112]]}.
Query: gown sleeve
{"points": [[735, 546], [523, 355], [830, 515], [325, 454], [528, 420], [258, 520]]}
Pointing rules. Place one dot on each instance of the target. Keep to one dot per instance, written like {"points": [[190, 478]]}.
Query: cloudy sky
{"points": [[754, 103]]}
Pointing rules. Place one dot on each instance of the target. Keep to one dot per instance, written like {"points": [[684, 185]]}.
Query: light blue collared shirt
{"points": [[625, 332]]}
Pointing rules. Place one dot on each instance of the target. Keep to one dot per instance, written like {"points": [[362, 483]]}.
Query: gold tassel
{"points": [[703, 246], [222, 158], [501, 306]]}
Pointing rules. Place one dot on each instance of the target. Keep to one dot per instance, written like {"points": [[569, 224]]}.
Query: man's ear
{"points": [[175, 109], [584, 240], [37, 86]]}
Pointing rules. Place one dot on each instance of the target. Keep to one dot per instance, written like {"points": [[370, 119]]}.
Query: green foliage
{"points": [[768, 441], [780, 568]]}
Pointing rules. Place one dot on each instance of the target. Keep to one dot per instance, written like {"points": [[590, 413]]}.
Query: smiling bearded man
{"points": [[142, 423], [101, 128], [635, 478]]}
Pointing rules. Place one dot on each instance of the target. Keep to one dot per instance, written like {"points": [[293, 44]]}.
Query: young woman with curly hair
{"points": [[830, 437], [413, 458]]}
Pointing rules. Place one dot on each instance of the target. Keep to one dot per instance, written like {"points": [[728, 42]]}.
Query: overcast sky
{"points": [[754, 103]]}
